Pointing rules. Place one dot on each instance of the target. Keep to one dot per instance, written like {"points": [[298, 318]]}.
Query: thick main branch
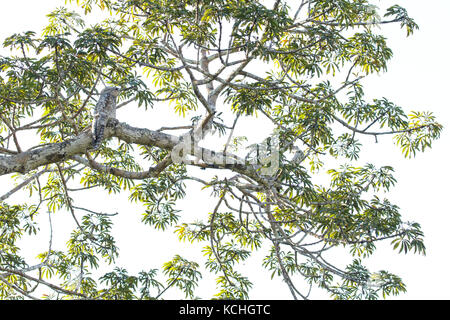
{"points": [[69, 150]]}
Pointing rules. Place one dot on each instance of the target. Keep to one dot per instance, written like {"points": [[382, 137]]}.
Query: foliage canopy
{"points": [[210, 66]]}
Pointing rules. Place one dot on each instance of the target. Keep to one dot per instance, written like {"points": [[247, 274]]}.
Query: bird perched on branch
{"points": [[104, 110]]}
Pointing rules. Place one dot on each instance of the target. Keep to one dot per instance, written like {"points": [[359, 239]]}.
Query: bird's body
{"points": [[105, 109]]}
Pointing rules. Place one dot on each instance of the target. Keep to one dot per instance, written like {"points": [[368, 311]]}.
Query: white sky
{"points": [[417, 80]]}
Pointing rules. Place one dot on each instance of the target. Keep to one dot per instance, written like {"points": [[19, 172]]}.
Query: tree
{"points": [[211, 66]]}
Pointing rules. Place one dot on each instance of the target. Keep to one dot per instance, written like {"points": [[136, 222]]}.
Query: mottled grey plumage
{"points": [[104, 110]]}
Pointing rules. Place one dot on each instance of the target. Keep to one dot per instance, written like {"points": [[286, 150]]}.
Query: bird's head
{"points": [[114, 91]]}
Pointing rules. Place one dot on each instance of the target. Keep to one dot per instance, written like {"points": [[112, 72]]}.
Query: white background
{"points": [[418, 79]]}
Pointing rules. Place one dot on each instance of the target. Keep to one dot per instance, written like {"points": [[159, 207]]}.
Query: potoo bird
{"points": [[105, 109]]}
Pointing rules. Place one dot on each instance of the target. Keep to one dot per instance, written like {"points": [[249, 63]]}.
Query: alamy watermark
{"points": [[263, 157]]}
